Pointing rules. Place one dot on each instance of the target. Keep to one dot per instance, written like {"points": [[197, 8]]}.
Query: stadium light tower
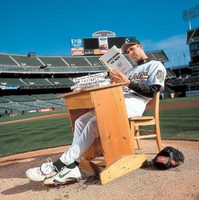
{"points": [[190, 14]]}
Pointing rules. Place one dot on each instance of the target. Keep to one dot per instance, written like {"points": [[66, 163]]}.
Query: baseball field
{"points": [[178, 118], [34, 134]]}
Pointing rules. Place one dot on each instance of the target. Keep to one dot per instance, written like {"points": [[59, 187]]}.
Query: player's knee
{"points": [[93, 127]]}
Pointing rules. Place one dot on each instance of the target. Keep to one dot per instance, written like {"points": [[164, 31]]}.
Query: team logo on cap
{"points": [[127, 40]]}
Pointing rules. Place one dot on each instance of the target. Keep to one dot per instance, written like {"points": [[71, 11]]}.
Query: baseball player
{"points": [[141, 84]]}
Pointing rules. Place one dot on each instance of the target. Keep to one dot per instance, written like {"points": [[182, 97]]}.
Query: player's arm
{"points": [[156, 78], [117, 76], [140, 88], [144, 89]]}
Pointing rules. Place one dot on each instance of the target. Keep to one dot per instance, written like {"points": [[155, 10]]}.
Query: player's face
{"points": [[135, 52]]}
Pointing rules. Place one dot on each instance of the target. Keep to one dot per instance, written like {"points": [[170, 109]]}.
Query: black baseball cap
{"points": [[129, 42]]}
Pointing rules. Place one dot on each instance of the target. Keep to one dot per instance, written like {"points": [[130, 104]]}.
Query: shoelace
{"points": [[48, 167]]}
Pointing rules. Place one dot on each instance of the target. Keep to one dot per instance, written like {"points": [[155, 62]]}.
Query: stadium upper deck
{"points": [[32, 64]]}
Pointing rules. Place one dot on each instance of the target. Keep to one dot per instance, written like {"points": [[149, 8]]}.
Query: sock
{"points": [[73, 165], [59, 165]]}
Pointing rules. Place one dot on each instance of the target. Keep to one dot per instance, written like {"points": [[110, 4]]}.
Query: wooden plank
{"points": [[113, 125], [144, 123], [77, 92], [146, 136], [94, 150], [79, 101], [141, 118], [121, 167], [94, 166], [85, 164], [98, 164]]}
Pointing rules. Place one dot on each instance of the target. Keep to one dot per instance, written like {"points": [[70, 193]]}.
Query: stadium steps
{"points": [[36, 82], [53, 61], [11, 82], [23, 81], [3, 100], [21, 103], [49, 82], [59, 102], [39, 104], [6, 60], [62, 81], [20, 98], [15, 106], [45, 96], [25, 60]]}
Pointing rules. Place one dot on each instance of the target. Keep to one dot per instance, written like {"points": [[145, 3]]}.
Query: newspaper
{"points": [[113, 58], [90, 81]]}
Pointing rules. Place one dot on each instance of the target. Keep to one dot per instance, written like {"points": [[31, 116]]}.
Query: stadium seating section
{"points": [[22, 103], [63, 61], [43, 72], [35, 81]]}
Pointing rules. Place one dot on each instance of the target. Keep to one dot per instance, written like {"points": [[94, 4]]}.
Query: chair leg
{"points": [[158, 138], [137, 134]]}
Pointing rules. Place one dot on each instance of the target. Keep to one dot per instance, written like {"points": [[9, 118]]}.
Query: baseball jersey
{"points": [[150, 73]]}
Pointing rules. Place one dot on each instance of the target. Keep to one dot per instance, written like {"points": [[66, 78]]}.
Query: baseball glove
{"points": [[168, 158]]}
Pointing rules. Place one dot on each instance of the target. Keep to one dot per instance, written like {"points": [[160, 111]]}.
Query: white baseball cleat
{"points": [[46, 170], [66, 175]]}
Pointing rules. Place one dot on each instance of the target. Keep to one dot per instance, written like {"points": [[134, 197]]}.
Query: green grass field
{"points": [[176, 123]]}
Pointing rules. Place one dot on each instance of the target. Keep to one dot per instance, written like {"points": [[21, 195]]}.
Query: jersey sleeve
{"points": [[157, 75]]}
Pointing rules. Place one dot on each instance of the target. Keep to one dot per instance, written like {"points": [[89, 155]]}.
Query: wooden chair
{"points": [[136, 124]]}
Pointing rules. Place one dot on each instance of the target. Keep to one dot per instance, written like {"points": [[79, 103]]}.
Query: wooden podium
{"points": [[112, 154]]}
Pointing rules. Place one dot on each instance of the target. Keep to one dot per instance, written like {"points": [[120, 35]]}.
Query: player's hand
{"points": [[117, 76]]}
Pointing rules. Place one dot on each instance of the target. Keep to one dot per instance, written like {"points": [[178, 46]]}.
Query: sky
{"points": [[46, 26]]}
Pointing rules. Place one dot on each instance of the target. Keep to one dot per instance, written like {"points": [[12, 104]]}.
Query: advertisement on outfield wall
{"points": [[192, 93], [77, 46]]}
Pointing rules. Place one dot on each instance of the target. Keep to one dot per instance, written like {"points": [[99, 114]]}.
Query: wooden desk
{"points": [[115, 146]]}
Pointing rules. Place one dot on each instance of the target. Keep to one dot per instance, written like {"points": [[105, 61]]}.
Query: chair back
{"points": [[154, 106], [137, 123]]}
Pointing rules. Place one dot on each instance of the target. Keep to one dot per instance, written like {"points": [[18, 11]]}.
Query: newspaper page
{"points": [[114, 58], [90, 81]]}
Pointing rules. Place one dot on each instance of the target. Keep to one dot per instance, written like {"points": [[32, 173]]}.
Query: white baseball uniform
{"points": [[86, 130]]}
